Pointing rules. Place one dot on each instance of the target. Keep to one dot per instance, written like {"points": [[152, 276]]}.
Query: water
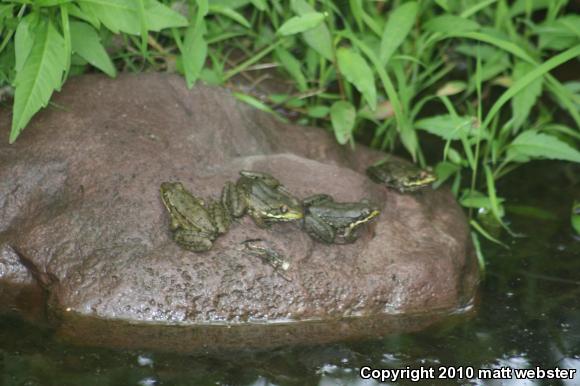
{"points": [[528, 315]]}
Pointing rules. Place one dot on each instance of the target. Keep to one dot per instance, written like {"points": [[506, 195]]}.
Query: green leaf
{"points": [[87, 44], [39, 76], [5, 11], [50, 3], [260, 4], [116, 15], [496, 207], [444, 170], [229, 12], [83, 14], [451, 24], [356, 7], [159, 16], [293, 66], [356, 70], [318, 38], [318, 111], [531, 144], [123, 15], [478, 252], [302, 23], [398, 26], [524, 100], [342, 117], [575, 217], [559, 34], [23, 40], [250, 100], [194, 51], [448, 126]]}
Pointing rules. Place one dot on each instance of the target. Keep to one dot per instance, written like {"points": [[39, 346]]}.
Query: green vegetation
{"points": [[475, 74]]}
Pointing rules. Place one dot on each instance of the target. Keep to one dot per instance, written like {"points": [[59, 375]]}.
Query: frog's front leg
{"points": [[318, 229], [233, 200], [192, 241]]}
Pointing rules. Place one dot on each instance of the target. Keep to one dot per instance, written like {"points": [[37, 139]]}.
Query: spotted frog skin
{"points": [[402, 176], [329, 221], [194, 224], [262, 197]]}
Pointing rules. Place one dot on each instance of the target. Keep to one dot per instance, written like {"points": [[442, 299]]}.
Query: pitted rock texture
{"points": [[80, 208]]}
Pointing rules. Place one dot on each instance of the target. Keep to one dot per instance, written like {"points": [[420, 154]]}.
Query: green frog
{"points": [[262, 197], [194, 225], [402, 176], [336, 222]]}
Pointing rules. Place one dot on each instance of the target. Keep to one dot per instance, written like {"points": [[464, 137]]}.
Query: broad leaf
{"points": [[5, 11], [229, 12], [451, 24], [301, 23], [398, 26], [559, 34], [23, 40], [449, 127], [116, 15], [524, 100], [39, 76], [319, 37], [87, 44], [159, 16], [260, 4], [293, 66], [356, 70], [342, 117], [318, 111], [531, 144], [194, 51], [123, 15]]}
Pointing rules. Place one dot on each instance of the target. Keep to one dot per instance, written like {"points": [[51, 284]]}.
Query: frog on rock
{"points": [[402, 176], [194, 225], [336, 222], [262, 197]]}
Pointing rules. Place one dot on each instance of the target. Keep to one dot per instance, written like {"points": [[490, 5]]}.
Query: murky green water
{"points": [[528, 315]]}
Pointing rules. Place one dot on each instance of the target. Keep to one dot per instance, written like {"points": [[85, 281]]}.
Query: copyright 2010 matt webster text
{"points": [[462, 372]]}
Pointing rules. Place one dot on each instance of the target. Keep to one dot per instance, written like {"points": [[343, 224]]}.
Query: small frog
{"points": [[329, 221], [402, 176], [262, 197], [194, 226]]}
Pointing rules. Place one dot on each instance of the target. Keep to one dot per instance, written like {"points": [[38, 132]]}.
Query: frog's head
{"points": [[283, 210], [274, 204], [168, 189], [417, 179], [364, 213]]}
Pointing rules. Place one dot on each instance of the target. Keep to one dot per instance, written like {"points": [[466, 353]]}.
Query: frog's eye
{"points": [[283, 209]]}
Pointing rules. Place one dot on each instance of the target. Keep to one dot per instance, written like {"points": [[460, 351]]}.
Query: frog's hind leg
{"points": [[232, 200], [318, 229], [192, 241], [317, 199], [220, 216]]}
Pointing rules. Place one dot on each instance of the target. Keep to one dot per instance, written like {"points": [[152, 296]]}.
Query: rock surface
{"points": [[81, 221]]}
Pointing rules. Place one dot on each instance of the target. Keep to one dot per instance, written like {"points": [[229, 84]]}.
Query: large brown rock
{"points": [[81, 220]]}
